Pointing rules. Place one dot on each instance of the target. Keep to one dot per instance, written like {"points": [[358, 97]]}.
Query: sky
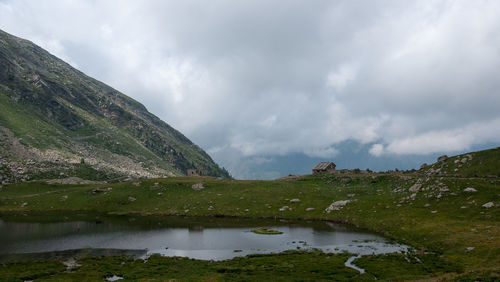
{"points": [[269, 87]]}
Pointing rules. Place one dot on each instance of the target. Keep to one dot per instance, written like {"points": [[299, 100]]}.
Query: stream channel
{"points": [[206, 238]]}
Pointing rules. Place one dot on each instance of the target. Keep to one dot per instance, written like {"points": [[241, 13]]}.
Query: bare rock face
{"points": [[197, 186], [336, 206]]}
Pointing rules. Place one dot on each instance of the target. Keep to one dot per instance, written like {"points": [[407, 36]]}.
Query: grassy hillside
{"points": [[54, 115], [482, 163]]}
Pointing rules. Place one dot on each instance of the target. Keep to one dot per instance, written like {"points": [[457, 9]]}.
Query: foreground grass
{"points": [[286, 266], [440, 218]]}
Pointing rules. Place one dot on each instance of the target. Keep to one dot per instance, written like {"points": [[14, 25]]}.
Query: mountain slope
{"points": [[57, 122]]}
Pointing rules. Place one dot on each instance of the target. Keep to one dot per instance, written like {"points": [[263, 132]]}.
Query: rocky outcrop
{"points": [[336, 206]]}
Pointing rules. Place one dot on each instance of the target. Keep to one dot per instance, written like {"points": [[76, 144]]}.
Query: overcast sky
{"points": [[269, 79]]}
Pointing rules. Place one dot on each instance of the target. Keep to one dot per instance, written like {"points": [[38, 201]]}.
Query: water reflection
{"points": [[201, 238]]}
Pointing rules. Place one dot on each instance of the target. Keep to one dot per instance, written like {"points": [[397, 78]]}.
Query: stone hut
{"points": [[194, 172], [324, 167]]}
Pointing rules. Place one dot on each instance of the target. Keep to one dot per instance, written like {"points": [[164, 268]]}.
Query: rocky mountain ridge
{"points": [[57, 122]]}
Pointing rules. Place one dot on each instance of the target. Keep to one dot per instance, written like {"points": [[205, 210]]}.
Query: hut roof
{"points": [[322, 165]]}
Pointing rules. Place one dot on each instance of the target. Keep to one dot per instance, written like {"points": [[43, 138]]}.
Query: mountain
{"points": [[57, 122]]}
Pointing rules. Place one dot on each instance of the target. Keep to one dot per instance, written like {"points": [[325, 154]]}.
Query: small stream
{"points": [[199, 238]]}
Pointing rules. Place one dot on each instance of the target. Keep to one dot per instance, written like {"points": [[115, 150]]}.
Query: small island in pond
{"points": [[266, 231]]}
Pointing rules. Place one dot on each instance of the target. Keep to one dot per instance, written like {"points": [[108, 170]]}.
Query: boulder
{"points": [[470, 190], [284, 208], [415, 188], [295, 201], [336, 206], [488, 205], [309, 209], [197, 186]]}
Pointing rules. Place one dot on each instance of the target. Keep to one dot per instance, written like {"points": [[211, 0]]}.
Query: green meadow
{"points": [[453, 235]]}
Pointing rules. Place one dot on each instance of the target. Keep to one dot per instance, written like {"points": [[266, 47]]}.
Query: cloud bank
{"points": [[248, 79]]}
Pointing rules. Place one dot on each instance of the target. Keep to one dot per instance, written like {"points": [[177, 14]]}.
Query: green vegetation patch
{"points": [[406, 266], [23, 271], [287, 266], [266, 231]]}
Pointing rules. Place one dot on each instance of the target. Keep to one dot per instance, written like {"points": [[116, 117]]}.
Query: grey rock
{"points": [[415, 188], [470, 190], [444, 190], [488, 205], [197, 186], [309, 209], [336, 206], [284, 208], [295, 201]]}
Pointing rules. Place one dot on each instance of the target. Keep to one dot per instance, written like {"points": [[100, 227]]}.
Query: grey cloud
{"points": [[259, 79]]}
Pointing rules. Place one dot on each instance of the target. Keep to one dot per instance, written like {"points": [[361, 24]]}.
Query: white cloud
{"points": [[321, 152], [341, 77], [450, 140], [377, 150]]}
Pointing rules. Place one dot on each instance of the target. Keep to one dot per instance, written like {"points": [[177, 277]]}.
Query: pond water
{"points": [[200, 238]]}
